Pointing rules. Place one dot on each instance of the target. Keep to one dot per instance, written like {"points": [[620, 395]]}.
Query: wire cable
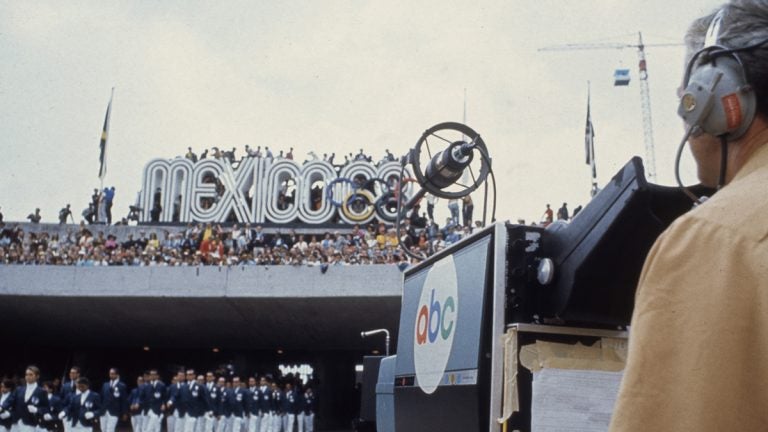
{"points": [[694, 198]]}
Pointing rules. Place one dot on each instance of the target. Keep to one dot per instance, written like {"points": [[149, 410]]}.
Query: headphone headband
{"points": [[712, 36]]}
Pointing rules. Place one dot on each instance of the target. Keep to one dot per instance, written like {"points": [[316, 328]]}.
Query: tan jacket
{"points": [[698, 347]]}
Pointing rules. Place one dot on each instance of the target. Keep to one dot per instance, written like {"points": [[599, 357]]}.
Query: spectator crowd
{"points": [[207, 244], [218, 401]]}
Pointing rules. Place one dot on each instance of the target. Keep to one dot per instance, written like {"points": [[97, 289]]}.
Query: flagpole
{"points": [[589, 142], [592, 147], [103, 143], [465, 105], [464, 118]]}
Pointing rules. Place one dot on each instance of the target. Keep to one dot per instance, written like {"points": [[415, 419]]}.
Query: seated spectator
{"points": [[327, 242], [86, 239], [405, 239], [142, 241], [340, 240], [453, 235], [212, 250], [236, 238], [167, 242], [438, 244], [259, 241], [313, 244], [111, 243], [301, 244], [391, 239], [153, 243], [422, 242], [381, 236], [99, 240], [129, 243]]}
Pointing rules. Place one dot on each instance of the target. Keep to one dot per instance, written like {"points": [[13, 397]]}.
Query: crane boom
{"points": [[589, 46], [645, 96]]}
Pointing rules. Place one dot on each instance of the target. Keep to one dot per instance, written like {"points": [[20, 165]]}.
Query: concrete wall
{"points": [[253, 307], [208, 281]]}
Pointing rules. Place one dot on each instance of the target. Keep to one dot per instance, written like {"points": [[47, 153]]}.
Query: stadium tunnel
{"points": [[252, 319]]}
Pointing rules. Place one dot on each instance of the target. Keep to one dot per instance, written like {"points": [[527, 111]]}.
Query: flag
{"points": [[104, 137], [589, 140], [621, 77]]}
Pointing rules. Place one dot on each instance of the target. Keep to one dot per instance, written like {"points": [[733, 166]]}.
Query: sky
{"points": [[330, 76]]}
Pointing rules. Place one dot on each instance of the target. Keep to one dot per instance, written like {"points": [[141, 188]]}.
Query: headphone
{"points": [[718, 99]]}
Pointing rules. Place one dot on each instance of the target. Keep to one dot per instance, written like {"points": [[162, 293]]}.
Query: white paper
{"points": [[573, 400]]}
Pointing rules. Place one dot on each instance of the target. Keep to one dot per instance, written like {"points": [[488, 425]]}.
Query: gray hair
{"points": [[745, 22]]}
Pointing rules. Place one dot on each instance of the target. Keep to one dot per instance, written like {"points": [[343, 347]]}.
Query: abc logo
{"points": [[435, 324], [431, 322]]}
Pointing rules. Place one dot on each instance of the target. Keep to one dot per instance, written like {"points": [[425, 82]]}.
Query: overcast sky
{"points": [[329, 76]]}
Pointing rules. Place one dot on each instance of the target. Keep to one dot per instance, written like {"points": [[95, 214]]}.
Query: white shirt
{"points": [[83, 397], [3, 397], [28, 392]]}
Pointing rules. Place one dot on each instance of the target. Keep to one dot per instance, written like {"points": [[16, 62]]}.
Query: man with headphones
{"points": [[698, 345]]}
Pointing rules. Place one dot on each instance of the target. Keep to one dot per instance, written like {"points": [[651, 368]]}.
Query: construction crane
{"points": [[645, 97]]}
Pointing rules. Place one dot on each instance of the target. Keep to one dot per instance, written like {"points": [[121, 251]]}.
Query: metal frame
{"points": [[567, 331], [497, 326]]}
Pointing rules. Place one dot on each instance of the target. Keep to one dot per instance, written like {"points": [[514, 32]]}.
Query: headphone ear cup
{"points": [[718, 98]]}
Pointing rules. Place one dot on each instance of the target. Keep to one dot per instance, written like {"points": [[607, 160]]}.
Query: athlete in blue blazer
{"points": [[84, 408], [28, 403]]}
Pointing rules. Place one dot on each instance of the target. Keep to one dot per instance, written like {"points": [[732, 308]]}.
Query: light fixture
{"points": [[369, 333]]}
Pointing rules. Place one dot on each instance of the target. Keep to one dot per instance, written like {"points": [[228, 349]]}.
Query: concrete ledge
{"points": [[206, 281], [121, 231]]}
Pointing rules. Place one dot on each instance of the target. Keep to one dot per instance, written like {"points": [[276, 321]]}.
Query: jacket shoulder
{"points": [[740, 206]]}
